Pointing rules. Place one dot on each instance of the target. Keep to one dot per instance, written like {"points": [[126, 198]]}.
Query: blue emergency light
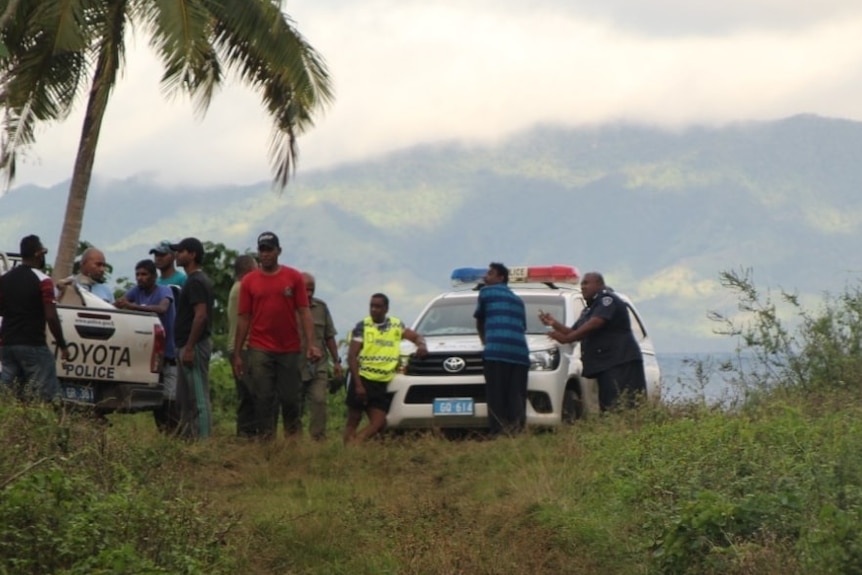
{"points": [[555, 274]]}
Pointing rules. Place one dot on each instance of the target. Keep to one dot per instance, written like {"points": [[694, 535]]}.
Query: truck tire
{"points": [[573, 407]]}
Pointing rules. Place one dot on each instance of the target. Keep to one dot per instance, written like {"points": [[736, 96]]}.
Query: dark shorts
{"points": [[376, 391]]}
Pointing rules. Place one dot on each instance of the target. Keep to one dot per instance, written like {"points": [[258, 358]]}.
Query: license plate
{"points": [[79, 394], [453, 406]]}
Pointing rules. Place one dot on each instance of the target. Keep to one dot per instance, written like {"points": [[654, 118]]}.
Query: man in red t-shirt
{"points": [[271, 299]]}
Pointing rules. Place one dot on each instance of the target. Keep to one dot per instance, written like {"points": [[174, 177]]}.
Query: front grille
{"points": [[432, 364], [428, 393]]}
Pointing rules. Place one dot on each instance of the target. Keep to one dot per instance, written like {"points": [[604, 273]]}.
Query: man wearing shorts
{"points": [[373, 360]]}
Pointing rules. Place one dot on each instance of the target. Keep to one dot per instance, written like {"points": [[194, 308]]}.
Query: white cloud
{"points": [[409, 72], [707, 17]]}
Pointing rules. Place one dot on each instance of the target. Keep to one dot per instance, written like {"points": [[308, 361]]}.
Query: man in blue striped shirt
{"points": [[502, 323]]}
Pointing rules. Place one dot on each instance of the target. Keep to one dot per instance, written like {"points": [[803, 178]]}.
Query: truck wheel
{"points": [[573, 407]]}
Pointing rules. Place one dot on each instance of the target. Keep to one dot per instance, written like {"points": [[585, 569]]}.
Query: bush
{"points": [[708, 531], [784, 473], [71, 504], [788, 345]]}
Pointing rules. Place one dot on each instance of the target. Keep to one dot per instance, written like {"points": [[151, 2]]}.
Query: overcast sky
{"points": [[411, 71]]}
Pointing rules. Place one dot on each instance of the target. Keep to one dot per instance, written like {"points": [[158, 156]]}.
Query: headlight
{"points": [[545, 360]]}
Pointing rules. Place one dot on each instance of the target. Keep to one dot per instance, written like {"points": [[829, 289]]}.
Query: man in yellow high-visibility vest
{"points": [[373, 360]]}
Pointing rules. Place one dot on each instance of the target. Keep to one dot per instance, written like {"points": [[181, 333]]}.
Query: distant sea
{"points": [[688, 376]]}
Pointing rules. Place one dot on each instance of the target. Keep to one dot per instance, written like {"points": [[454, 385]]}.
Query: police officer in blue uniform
{"points": [[609, 351]]}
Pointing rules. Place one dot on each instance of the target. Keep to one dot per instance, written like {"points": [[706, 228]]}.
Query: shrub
{"points": [[812, 350], [707, 532], [71, 504], [833, 541]]}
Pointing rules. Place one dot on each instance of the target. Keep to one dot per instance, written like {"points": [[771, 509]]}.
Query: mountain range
{"points": [[661, 213]]}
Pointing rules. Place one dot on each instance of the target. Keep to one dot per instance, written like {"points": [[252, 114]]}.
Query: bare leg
{"points": [[376, 422], [354, 416]]}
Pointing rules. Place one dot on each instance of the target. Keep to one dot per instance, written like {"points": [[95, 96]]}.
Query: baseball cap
{"points": [[192, 245], [163, 247], [268, 239]]}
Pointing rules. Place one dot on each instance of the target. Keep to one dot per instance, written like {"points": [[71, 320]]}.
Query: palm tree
{"points": [[53, 46]]}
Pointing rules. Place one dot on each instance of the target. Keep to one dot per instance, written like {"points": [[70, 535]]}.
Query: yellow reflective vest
{"points": [[380, 352]]}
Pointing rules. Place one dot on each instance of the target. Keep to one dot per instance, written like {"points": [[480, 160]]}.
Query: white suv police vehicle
{"points": [[446, 388]]}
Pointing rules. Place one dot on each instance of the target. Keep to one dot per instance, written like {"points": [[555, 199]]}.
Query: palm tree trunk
{"points": [[104, 78], [77, 199]]}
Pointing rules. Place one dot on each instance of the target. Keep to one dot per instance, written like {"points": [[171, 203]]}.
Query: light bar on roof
{"points": [[466, 276], [556, 274]]}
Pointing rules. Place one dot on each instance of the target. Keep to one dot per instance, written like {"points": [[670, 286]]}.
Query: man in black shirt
{"points": [[609, 351], [192, 329], [26, 304]]}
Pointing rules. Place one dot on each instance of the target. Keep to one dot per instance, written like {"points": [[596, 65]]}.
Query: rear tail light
{"points": [[158, 348]]}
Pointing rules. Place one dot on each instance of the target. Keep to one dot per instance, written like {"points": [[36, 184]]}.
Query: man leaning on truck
{"points": [[91, 276], [148, 296], [26, 304]]}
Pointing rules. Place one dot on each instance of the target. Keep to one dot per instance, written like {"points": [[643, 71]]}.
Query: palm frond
{"points": [[43, 73], [53, 44], [180, 34], [260, 43]]}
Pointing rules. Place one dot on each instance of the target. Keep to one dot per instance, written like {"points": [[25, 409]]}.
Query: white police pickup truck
{"points": [[115, 356], [446, 388]]}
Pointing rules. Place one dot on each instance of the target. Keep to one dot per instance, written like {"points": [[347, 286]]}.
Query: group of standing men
{"points": [[184, 302], [279, 333], [609, 351]]}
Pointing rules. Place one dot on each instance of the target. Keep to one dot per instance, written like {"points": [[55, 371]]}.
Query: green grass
{"points": [[668, 489], [771, 484]]}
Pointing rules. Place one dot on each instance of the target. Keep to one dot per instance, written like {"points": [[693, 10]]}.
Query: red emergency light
{"points": [[554, 274]]}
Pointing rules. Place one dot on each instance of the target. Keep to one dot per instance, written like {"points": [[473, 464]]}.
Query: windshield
{"points": [[455, 316]]}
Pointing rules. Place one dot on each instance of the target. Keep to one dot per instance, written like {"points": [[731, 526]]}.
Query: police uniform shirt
{"points": [[612, 344]]}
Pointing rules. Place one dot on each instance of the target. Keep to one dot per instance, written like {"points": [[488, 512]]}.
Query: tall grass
{"points": [[77, 497], [773, 485]]}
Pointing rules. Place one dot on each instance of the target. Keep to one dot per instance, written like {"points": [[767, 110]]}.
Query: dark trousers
{"points": [[30, 372], [314, 392], [193, 393], [245, 407], [167, 415], [275, 384], [626, 380], [506, 394]]}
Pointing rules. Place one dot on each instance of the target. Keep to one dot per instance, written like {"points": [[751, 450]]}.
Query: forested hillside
{"points": [[660, 213]]}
